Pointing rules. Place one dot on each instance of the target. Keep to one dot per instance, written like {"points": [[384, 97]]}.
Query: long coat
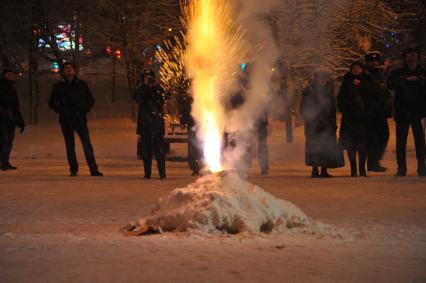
{"points": [[355, 104], [318, 110], [410, 96], [72, 100], [150, 113], [10, 113]]}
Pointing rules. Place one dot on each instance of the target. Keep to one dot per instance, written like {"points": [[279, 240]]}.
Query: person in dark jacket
{"points": [[409, 83], [261, 127], [354, 103], [318, 110], [185, 101], [150, 123], [379, 134], [10, 118], [72, 100]]}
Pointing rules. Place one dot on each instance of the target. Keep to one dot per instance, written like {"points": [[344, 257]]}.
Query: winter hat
{"points": [[372, 56]]}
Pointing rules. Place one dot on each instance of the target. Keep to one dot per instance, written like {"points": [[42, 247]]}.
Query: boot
{"points": [[315, 172], [352, 161], [362, 160], [96, 173], [324, 173]]}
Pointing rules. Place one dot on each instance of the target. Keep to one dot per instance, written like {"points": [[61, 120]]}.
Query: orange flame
{"points": [[215, 49]]}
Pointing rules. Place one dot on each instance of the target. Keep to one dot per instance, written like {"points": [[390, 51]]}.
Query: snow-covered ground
{"points": [[54, 228]]}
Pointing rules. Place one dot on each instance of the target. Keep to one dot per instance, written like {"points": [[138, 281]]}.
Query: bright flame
{"points": [[214, 53]]}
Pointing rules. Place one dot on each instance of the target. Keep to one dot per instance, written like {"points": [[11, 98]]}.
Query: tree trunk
{"points": [[30, 86], [33, 85], [128, 59]]}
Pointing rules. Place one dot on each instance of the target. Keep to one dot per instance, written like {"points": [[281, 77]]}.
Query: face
{"points": [[412, 58], [9, 76], [356, 70], [68, 71]]}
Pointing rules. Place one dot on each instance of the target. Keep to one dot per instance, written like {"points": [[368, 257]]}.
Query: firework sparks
{"points": [[215, 50]]}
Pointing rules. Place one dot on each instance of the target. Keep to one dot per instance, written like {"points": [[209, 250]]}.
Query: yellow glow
{"points": [[212, 59]]}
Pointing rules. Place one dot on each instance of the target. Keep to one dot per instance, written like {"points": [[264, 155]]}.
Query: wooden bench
{"points": [[174, 138]]}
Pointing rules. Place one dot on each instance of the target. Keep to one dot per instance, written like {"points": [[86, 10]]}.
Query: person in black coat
{"points": [[409, 83], [354, 102], [318, 110], [10, 118], [72, 100], [185, 101], [150, 123], [261, 127], [379, 134]]}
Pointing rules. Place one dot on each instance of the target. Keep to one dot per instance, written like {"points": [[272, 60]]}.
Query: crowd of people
{"points": [[363, 100]]}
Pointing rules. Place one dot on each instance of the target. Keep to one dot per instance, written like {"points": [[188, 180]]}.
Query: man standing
{"points": [[409, 83], [379, 129], [262, 144], [150, 97], [72, 100], [185, 101], [10, 118]]}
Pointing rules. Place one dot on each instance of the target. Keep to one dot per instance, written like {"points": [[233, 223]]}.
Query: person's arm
{"points": [[20, 119]]}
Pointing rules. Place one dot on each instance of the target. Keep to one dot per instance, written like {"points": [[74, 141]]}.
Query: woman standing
{"points": [[318, 110], [353, 102]]}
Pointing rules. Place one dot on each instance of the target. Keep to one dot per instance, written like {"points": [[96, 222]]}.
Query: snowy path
{"points": [[59, 229]]}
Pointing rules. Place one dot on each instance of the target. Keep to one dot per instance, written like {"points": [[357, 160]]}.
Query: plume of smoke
{"points": [[253, 16]]}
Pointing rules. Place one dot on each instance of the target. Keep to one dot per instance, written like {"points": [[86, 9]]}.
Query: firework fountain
{"points": [[219, 201]]}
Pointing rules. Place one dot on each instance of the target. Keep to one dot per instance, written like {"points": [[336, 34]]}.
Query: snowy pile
{"points": [[224, 203]]}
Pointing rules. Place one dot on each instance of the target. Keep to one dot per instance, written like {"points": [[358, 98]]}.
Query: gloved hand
{"points": [[22, 127]]}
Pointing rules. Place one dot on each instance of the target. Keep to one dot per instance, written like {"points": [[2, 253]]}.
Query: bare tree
{"points": [[133, 26]]}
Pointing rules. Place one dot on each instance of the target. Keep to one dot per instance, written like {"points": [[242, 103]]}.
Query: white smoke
{"points": [[253, 16]]}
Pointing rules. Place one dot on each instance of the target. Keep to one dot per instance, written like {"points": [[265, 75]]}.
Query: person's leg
{"points": [[193, 153], [9, 135], [160, 155], [401, 146], [289, 128], [384, 139], [352, 161], [373, 147], [324, 172], [68, 132], [147, 153], [83, 133], [315, 172], [419, 141], [362, 156], [262, 150]]}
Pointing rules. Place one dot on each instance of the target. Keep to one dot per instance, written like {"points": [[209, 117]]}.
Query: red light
{"points": [[108, 50], [118, 53]]}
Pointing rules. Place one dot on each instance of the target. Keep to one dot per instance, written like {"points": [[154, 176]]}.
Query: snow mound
{"points": [[224, 203]]}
